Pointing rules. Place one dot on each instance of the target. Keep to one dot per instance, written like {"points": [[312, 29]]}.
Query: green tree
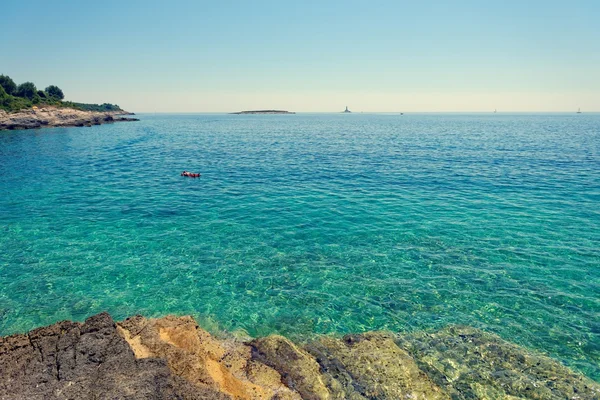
{"points": [[55, 91], [5, 99], [27, 90], [8, 84], [3, 96]]}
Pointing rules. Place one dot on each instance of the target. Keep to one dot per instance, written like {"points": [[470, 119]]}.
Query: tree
{"points": [[54, 91], [5, 99], [27, 90], [8, 84], [3, 96]]}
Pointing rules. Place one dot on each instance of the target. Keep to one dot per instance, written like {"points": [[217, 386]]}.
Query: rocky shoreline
{"points": [[48, 117], [173, 358]]}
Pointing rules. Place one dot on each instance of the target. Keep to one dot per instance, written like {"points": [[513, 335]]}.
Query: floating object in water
{"points": [[190, 174]]}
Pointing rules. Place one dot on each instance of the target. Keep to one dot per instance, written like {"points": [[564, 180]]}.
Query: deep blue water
{"points": [[306, 224]]}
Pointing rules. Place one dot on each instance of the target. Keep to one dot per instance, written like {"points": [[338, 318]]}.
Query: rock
{"points": [[85, 361], [172, 358], [195, 355], [469, 363], [55, 117], [299, 369], [372, 366]]}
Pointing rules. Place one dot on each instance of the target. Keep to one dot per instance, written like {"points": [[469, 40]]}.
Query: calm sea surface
{"points": [[307, 224]]}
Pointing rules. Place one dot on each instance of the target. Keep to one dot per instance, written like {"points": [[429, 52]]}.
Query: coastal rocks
{"points": [[193, 354], [372, 366], [472, 364], [172, 358], [299, 369], [57, 117], [84, 361]]}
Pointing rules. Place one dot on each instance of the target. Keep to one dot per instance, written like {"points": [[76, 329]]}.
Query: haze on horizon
{"points": [[390, 56]]}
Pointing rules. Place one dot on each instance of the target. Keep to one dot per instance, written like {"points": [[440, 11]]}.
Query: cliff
{"points": [[172, 358], [57, 117]]}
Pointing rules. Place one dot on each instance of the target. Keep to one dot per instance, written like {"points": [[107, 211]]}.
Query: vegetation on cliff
{"points": [[15, 97]]}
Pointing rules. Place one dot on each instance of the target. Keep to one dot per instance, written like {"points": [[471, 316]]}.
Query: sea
{"points": [[311, 223]]}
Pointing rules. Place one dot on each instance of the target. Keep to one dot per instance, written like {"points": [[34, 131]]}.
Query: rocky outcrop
{"points": [[299, 370], [372, 366], [191, 353], [173, 358], [86, 361], [56, 117]]}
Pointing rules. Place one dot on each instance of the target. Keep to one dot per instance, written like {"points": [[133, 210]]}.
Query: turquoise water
{"points": [[306, 224]]}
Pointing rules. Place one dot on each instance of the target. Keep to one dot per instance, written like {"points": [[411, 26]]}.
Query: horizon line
{"points": [[376, 112]]}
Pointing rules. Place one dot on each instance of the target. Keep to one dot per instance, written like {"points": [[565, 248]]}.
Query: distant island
{"points": [[25, 107], [264, 112]]}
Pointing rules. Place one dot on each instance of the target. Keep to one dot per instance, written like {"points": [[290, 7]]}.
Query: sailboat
{"points": [[579, 111], [495, 111]]}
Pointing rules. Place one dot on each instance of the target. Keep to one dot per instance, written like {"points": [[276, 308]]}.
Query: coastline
{"points": [[172, 357], [50, 117]]}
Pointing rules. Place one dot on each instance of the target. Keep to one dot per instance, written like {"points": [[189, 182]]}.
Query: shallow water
{"points": [[307, 224]]}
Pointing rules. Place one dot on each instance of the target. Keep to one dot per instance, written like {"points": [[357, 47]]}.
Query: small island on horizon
{"points": [[264, 112]]}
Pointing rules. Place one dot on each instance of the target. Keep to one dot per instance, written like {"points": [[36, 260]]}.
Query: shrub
{"points": [[8, 85], [55, 91], [25, 95], [27, 90]]}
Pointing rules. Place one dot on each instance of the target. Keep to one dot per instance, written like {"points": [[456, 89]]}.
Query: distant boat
{"points": [[579, 111], [347, 111], [495, 111]]}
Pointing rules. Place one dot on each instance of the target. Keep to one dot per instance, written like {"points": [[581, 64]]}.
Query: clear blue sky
{"points": [[309, 55]]}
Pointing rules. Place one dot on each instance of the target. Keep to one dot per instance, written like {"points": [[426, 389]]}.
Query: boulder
{"points": [[85, 361]]}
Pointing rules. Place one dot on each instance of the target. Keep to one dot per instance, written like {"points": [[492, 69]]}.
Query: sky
{"points": [[309, 56]]}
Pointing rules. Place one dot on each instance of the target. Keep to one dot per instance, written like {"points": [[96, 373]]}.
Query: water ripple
{"points": [[311, 223]]}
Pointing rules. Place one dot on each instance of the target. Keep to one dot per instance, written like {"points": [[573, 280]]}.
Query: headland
{"points": [[25, 107], [48, 117]]}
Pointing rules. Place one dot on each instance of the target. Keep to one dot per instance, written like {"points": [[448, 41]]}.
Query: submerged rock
{"points": [[172, 358], [472, 364], [372, 366]]}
